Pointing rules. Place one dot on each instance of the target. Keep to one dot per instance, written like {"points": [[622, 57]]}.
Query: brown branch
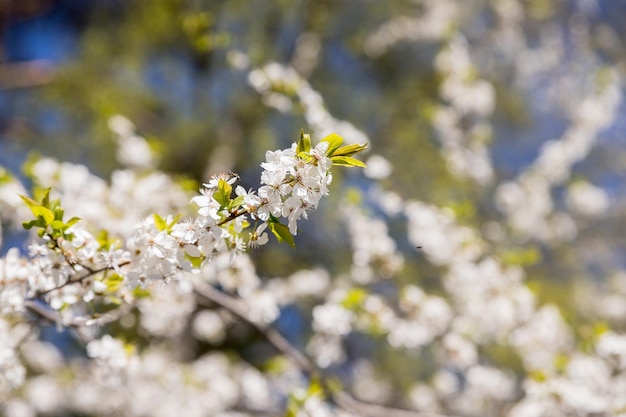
{"points": [[272, 335], [80, 326], [347, 402], [90, 273], [232, 217], [275, 338], [52, 316]]}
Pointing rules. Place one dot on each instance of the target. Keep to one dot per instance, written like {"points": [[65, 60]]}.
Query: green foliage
{"points": [[281, 231], [105, 241], [222, 194], [48, 216], [341, 156], [159, 222], [113, 282], [334, 142], [140, 292], [347, 150], [347, 161], [304, 144], [163, 225]]}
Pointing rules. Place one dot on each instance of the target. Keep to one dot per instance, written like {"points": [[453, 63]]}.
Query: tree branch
{"points": [[80, 326], [275, 338], [47, 313], [90, 273], [272, 335]]}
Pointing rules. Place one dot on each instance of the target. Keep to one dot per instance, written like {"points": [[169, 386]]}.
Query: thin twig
{"points": [[90, 273], [274, 337], [80, 326], [347, 402], [271, 334], [47, 313], [232, 217]]}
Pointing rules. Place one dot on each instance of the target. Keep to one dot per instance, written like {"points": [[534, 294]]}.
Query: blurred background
{"points": [[507, 113]]}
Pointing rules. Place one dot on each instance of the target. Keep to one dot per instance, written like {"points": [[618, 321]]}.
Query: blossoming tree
{"points": [[138, 296]]}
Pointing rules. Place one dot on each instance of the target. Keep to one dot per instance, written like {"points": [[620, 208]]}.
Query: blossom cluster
{"points": [[281, 86], [72, 264], [82, 280], [462, 123]]}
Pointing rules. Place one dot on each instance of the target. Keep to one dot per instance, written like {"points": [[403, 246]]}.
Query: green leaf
{"points": [[29, 201], [334, 142], [140, 292], [45, 199], [57, 210], [32, 223], [103, 239], [41, 212], [304, 144], [58, 225], [306, 157], [159, 222], [222, 194], [347, 161], [196, 261], [71, 222], [114, 282], [350, 150], [281, 232], [175, 220], [236, 202]]}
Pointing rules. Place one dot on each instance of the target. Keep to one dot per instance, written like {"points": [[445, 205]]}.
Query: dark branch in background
{"points": [[306, 365], [347, 402], [90, 273], [44, 311], [208, 293], [80, 327], [232, 217], [231, 304]]}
